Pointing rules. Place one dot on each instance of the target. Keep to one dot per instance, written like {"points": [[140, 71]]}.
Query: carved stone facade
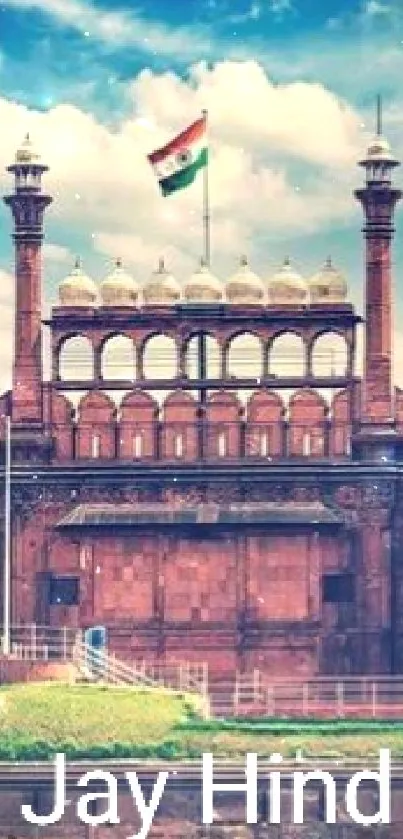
{"points": [[198, 499]]}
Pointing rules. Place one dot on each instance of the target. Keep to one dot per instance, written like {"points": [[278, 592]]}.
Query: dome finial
{"points": [[161, 265], [287, 262], [203, 262], [118, 262], [328, 262], [243, 261], [77, 262]]}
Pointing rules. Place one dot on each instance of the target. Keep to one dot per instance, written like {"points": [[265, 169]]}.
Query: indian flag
{"points": [[177, 164]]}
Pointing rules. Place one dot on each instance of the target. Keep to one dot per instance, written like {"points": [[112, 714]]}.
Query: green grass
{"points": [[38, 720]]}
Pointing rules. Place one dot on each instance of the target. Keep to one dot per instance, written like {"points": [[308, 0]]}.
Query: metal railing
{"points": [[254, 694], [244, 694], [43, 643]]}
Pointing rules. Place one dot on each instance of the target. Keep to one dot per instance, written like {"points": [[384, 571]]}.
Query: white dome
{"points": [[26, 153], [245, 286], [287, 286], [328, 285], [379, 148], [203, 286], [119, 288], [77, 289], [162, 288]]}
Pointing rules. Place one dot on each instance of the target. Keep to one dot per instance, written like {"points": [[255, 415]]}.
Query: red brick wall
{"points": [[185, 595]]}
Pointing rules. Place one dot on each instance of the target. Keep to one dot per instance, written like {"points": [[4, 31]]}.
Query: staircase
{"points": [[94, 666]]}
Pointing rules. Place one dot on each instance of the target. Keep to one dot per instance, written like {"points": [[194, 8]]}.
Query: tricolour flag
{"points": [[177, 164]]}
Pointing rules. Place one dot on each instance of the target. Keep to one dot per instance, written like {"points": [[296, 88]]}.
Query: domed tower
{"points": [[378, 198], [203, 286], [245, 287], [287, 286], [162, 289], [328, 285], [27, 204], [77, 289], [119, 288]]}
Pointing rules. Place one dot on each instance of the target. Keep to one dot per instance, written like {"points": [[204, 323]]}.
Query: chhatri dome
{"points": [[328, 285], [27, 153], [203, 286], [119, 288], [77, 289], [287, 285], [161, 288], [245, 286]]}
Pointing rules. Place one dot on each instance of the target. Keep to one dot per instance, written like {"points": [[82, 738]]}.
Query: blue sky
{"points": [[290, 86]]}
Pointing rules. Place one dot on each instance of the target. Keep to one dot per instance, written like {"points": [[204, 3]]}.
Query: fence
{"points": [[31, 642], [358, 696], [242, 695]]}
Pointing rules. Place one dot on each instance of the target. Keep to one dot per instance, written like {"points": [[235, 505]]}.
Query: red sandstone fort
{"points": [[204, 474]]}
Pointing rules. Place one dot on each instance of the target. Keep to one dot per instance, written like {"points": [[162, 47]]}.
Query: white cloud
{"points": [[55, 253], [374, 8], [102, 183], [261, 152], [279, 7], [119, 29]]}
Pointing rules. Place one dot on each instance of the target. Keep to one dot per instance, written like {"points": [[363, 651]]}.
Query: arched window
{"points": [[307, 427], [222, 444], [76, 359], [178, 445], [264, 443], [329, 355], [137, 445], [203, 351], [96, 429], [95, 445], [160, 358], [118, 360], [245, 357], [287, 356]]}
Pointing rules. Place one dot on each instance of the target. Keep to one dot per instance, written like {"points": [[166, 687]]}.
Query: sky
{"points": [[290, 88]]}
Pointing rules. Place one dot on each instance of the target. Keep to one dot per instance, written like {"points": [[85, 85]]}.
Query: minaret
{"points": [[27, 204], [378, 198]]}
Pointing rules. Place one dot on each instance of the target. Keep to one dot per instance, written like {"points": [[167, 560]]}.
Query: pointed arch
{"points": [[118, 358], [329, 354], [193, 364], [265, 425], [138, 426], [223, 426], [287, 356], [244, 356], [307, 430], [62, 427], [180, 427], [341, 424], [96, 426], [75, 359], [159, 357]]}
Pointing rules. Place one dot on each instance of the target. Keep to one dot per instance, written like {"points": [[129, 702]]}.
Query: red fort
{"points": [[204, 474]]}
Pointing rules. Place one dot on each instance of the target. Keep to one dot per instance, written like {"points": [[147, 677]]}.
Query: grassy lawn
{"points": [[37, 720]]}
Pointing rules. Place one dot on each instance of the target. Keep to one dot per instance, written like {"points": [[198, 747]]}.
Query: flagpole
{"points": [[7, 541], [206, 199]]}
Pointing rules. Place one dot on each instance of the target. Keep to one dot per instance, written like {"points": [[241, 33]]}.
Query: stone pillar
{"points": [[378, 198], [27, 204]]}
